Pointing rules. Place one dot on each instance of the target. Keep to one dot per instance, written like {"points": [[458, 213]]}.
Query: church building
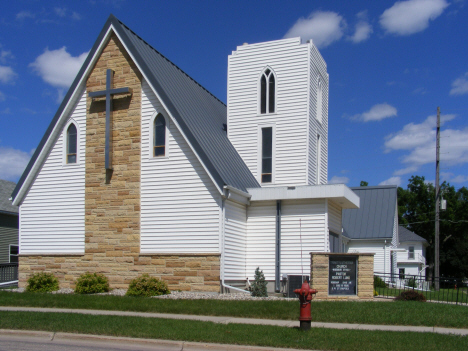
{"points": [[142, 170]]}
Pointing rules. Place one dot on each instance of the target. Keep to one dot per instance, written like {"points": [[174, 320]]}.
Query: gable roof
{"points": [[407, 235], [198, 113], [376, 214], [6, 188]]}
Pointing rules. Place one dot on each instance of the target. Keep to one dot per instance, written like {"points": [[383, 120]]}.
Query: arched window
{"points": [[159, 136], [267, 92], [71, 143], [319, 100]]}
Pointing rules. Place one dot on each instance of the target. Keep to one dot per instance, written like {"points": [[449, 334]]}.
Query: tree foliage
{"points": [[416, 211], [259, 286]]}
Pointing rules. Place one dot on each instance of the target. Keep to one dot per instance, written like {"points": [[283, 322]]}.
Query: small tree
{"points": [[259, 286]]}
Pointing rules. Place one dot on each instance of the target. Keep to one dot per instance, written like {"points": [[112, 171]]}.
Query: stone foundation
{"points": [[319, 269], [186, 272]]}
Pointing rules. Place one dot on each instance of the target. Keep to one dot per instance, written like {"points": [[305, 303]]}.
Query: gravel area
{"points": [[177, 295]]}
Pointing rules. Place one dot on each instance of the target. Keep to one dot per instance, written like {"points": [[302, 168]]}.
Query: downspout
{"points": [[223, 233], [278, 246]]}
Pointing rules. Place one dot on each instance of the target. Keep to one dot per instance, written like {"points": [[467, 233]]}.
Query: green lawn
{"points": [[316, 338], [385, 313], [447, 295]]}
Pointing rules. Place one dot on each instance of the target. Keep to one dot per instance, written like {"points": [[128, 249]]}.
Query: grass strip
{"points": [[383, 313], [257, 335]]}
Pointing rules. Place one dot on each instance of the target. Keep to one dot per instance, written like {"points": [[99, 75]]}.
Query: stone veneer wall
{"points": [[112, 211], [319, 264], [189, 272]]}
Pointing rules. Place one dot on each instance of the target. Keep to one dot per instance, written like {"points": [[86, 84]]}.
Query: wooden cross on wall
{"points": [[108, 94]]}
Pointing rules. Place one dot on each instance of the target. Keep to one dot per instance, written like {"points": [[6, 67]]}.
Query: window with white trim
{"points": [[14, 253], [319, 100], [159, 136], [411, 253], [267, 155], [72, 146], [267, 92]]}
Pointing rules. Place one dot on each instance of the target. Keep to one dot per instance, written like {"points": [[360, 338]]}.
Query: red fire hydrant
{"points": [[305, 297]]}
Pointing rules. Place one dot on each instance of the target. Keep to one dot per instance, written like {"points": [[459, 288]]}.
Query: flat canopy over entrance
{"points": [[339, 193]]}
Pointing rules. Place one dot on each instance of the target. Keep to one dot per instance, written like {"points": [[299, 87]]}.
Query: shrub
{"points": [[144, 285], [410, 295], [376, 293], [378, 282], [411, 282], [42, 282], [259, 286], [92, 283]]}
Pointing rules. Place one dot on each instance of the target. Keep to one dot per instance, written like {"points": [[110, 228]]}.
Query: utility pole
{"points": [[437, 189]]}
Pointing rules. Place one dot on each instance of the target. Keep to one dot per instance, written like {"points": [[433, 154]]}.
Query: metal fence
{"points": [[451, 290], [8, 274]]}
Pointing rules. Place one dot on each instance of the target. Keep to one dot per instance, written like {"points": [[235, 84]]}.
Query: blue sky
{"points": [[390, 64]]}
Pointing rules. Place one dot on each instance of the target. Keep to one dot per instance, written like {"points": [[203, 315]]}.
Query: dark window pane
{"points": [[266, 178], [71, 143], [267, 134], [263, 94], [160, 151], [271, 94], [13, 250], [266, 165], [159, 136], [13, 259], [71, 159]]}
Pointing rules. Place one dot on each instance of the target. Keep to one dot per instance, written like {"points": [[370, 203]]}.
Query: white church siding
{"points": [[317, 125], [261, 229], [334, 217], [235, 241], [306, 219], [288, 59], [179, 203], [52, 213]]}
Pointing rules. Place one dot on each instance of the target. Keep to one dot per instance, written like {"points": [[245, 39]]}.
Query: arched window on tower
{"points": [[319, 100], [159, 136], [71, 144], [267, 92]]}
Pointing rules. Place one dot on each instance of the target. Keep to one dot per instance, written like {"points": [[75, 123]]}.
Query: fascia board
{"points": [[56, 126], [339, 193], [165, 101]]}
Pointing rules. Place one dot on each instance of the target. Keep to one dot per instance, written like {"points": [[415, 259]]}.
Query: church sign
{"points": [[342, 275]]}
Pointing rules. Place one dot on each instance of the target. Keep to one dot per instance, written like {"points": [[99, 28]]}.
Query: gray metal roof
{"points": [[376, 214], [199, 114], [6, 188], [407, 235]]}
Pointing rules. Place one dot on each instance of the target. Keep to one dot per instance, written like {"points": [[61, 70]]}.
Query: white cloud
{"points": [[58, 67], [338, 180], [24, 14], [4, 55], [6, 74], [419, 140], [362, 29], [76, 16], [412, 16], [392, 181], [12, 163], [406, 170], [377, 112], [459, 179], [460, 85], [61, 12], [323, 27]]}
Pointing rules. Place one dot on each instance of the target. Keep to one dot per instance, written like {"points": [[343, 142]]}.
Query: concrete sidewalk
{"points": [[227, 320]]}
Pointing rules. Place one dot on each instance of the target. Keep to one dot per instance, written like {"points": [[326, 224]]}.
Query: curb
{"points": [[159, 343]]}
